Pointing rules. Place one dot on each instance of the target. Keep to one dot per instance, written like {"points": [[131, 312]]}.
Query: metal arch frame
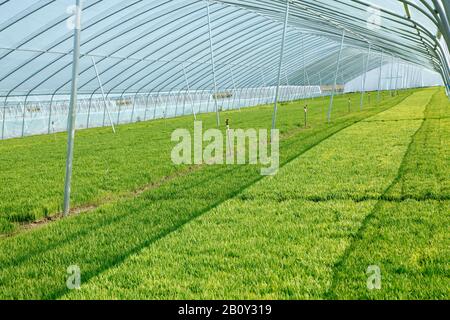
{"points": [[175, 86], [437, 55], [213, 66], [72, 110], [399, 22], [68, 65], [330, 109], [199, 75], [162, 66], [165, 80], [280, 66], [364, 78]]}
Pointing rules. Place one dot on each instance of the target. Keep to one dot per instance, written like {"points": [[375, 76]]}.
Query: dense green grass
{"points": [[282, 237], [407, 233], [34, 263], [226, 232], [108, 166]]}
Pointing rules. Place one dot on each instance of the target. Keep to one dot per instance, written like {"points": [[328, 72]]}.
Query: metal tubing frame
{"points": [[416, 8], [444, 71], [72, 109], [280, 66], [392, 76], [50, 114], [363, 91], [379, 77], [103, 97], [330, 109], [397, 78], [188, 88], [213, 67], [4, 119]]}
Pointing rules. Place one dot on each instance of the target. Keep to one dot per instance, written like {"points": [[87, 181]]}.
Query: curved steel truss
{"points": [[143, 46], [219, 49]]}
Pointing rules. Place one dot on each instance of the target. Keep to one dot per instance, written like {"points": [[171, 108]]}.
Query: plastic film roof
{"points": [[143, 46]]}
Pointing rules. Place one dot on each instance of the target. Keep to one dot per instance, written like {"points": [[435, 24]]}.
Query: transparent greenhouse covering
{"points": [[143, 46], [74, 64], [151, 59]]}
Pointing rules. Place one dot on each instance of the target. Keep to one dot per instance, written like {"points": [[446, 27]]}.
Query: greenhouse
{"points": [[143, 60], [124, 75]]}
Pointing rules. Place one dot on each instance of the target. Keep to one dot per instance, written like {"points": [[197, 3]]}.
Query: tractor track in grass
{"points": [[385, 197], [88, 208]]}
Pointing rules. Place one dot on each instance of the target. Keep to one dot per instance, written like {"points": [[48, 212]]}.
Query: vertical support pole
{"points": [[363, 70], [280, 67], [134, 107], [408, 76], [392, 76], [305, 76], [330, 109], [310, 93], [209, 100], [247, 101], [23, 115], [402, 75], [288, 88], [72, 109], [421, 78], [177, 96], [320, 84], [2, 111], [103, 96], [89, 111], [189, 92], [4, 118], [364, 79], [264, 85], [156, 104], [234, 87], [211, 46], [50, 114], [408, 69], [240, 98], [417, 77], [169, 95], [146, 107], [398, 77], [379, 78], [120, 107]]}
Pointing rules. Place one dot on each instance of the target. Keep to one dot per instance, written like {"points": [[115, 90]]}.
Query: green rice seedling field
{"points": [[109, 166], [370, 188]]}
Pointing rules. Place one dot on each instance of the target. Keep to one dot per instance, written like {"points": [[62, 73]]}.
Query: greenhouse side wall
{"points": [[39, 115]]}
